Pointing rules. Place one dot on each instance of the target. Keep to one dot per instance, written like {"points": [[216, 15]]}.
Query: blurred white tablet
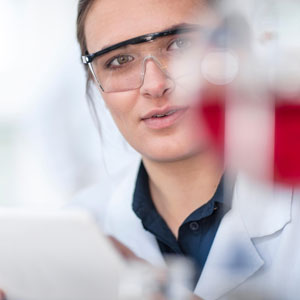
{"points": [[56, 255]]}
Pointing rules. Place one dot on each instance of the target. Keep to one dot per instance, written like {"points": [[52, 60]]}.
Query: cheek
{"points": [[121, 107]]}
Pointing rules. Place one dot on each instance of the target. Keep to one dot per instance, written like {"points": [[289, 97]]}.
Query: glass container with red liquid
{"points": [[266, 84]]}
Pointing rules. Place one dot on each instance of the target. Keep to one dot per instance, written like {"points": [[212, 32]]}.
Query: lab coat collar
{"points": [[257, 211]]}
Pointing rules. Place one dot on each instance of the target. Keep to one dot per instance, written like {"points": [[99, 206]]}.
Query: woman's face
{"points": [[168, 138]]}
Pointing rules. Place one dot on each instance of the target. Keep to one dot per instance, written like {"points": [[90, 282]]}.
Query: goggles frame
{"points": [[88, 58], [150, 37]]}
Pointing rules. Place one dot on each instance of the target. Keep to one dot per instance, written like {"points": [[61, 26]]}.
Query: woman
{"points": [[154, 116], [174, 203]]}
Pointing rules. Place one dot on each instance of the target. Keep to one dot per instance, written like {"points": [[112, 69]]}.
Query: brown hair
{"points": [[83, 9]]}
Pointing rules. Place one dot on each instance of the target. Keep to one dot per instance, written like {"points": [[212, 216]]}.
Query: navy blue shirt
{"points": [[196, 233]]}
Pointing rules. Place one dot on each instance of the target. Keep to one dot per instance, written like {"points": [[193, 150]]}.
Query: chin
{"points": [[168, 148], [164, 155]]}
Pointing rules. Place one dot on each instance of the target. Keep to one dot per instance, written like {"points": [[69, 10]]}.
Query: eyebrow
{"points": [[177, 28]]}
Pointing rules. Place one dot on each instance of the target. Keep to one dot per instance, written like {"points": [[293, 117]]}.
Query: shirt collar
{"points": [[145, 210], [142, 203]]}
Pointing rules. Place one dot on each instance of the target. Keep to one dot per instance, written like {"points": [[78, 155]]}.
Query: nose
{"points": [[156, 82]]}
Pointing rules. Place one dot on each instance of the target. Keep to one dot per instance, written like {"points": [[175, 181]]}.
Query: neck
{"points": [[180, 187]]}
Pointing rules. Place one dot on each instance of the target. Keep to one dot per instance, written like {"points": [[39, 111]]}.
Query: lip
{"points": [[175, 113]]}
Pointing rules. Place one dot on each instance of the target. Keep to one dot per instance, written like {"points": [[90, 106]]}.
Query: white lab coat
{"points": [[255, 253]]}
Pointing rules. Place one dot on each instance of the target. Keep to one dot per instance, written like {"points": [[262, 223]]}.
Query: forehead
{"points": [[111, 21]]}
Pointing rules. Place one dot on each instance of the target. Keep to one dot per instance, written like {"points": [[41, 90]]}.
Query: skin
{"points": [[127, 108], [180, 163]]}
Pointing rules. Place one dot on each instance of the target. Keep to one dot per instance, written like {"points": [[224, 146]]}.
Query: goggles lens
{"points": [[123, 69]]}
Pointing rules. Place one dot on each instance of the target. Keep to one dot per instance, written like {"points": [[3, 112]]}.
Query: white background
{"points": [[49, 146]]}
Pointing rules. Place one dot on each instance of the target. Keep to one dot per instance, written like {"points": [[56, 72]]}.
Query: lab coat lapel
{"points": [[232, 259], [129, 231], [257, 211], [122, 223]]}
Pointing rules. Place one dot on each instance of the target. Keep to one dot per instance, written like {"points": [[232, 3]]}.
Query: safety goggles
{"points": [[121, 67]]}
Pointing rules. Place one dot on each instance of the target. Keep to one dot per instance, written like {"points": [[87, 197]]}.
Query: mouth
{"points": [[163, 118]]}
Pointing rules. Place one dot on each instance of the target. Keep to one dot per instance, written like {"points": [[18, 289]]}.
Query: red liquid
{"points": [[212, 110], [287, 142], [286, 132]]}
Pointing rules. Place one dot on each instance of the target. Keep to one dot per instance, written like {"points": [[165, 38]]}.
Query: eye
{"points": [[180, 44], [120, 60]]}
